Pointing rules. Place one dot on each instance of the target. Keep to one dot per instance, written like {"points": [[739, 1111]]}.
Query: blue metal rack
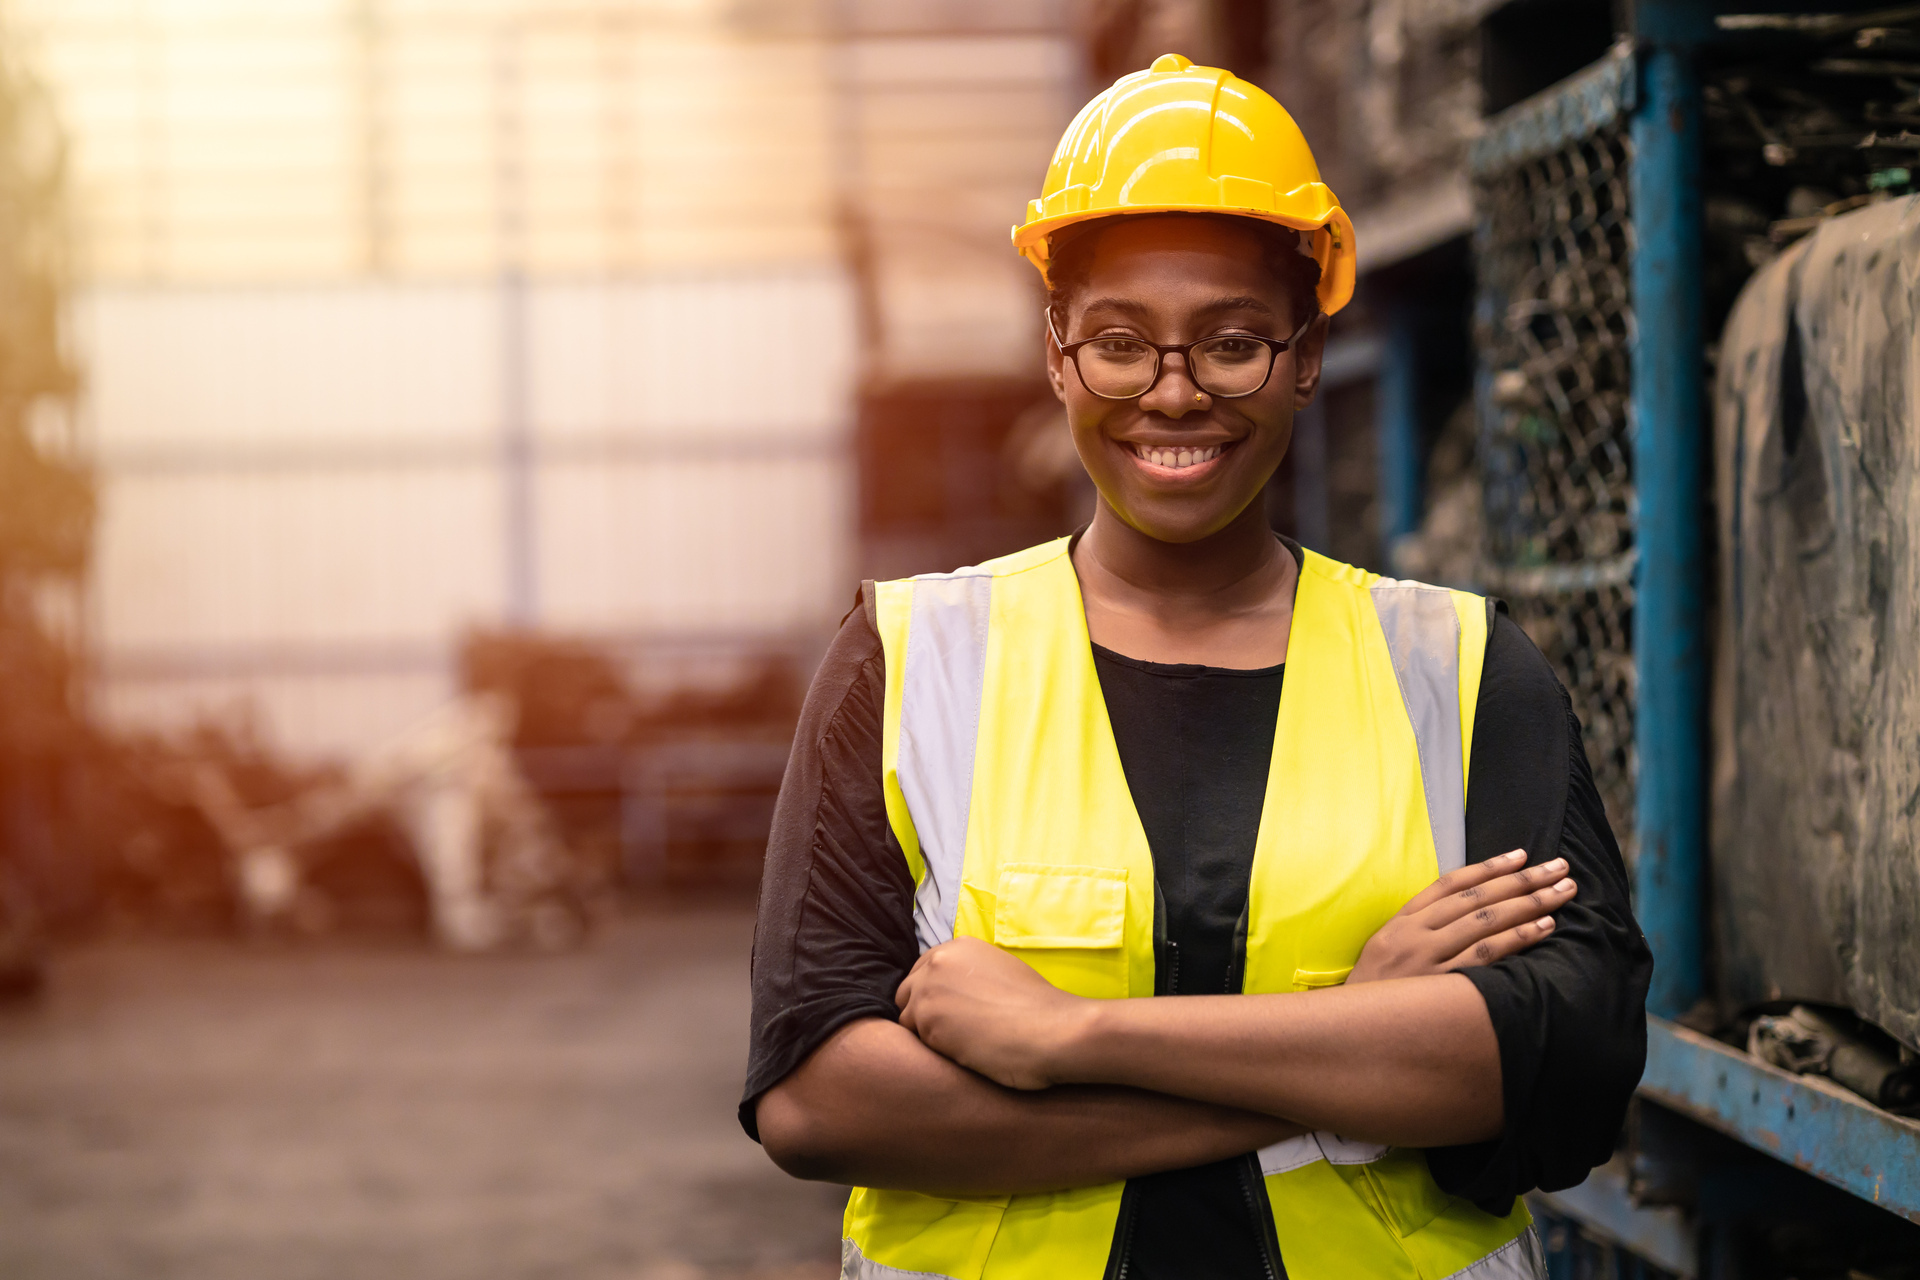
{"points": [[1810, 1123], [1669, 455], [1805, 1122]]}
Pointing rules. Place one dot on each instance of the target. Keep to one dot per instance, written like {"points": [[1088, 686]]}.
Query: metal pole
{"points": [[1669, 437], [1397, 418], [516, 432]]}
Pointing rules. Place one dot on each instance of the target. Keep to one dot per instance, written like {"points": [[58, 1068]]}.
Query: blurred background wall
{"points": [[405, 317]]}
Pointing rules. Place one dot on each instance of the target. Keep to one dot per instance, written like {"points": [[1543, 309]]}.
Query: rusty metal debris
{"points": [[670, 787], [493, 868], [1807, 1041]]}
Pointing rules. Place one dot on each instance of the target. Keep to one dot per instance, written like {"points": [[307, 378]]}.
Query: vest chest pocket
{"points": [[1313, 979], [1068, 922]]}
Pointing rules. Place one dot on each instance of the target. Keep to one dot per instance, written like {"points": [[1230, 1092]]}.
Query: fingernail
{"points": [[1512, 856], [1563, 886], [1558, 864], [1545, 924]]}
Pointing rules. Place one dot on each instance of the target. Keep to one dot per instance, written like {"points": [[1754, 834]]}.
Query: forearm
{"points": [[875, 1107], [1409, 1062]]}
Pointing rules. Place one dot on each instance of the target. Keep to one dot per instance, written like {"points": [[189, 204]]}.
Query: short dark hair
{"points": [[1071, 263]]}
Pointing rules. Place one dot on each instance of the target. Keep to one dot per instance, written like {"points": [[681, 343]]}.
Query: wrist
{"points": [[1073, 1051]]}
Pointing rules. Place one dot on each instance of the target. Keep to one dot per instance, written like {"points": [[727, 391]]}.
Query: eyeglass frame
{"points": [[1275, 346]]}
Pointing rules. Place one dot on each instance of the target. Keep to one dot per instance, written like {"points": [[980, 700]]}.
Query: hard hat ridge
{"points": [[1180, 138]]}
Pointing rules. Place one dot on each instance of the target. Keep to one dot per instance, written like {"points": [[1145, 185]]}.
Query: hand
{"points": [[1473, 916], [987, 1010]]}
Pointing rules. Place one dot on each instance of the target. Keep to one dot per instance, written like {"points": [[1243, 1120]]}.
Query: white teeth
{"points": [[1176, 459]]}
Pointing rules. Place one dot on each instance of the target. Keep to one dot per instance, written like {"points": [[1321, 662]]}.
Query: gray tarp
{"points": [[1817, 685]]}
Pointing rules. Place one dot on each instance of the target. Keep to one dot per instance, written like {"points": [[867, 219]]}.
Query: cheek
{"points": [[1271, 412], [1087, 417]]}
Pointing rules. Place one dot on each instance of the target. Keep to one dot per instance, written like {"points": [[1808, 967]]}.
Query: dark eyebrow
{"points": [[1126, 306], [1245, 302]]}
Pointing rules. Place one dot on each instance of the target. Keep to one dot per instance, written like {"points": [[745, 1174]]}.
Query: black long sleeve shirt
{"points": [[835, 933]]}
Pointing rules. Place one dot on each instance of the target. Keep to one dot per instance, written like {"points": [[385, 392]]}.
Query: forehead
{"points": [[1169, 258]]}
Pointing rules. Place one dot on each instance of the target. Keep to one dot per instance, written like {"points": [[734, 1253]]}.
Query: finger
{"points": [[1497, 917], [1464, 878], [1497, 889], [904, 992], [1503, 944]]}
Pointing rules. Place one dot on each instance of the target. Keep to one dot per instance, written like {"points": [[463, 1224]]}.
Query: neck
{"points": [[1241, 564], [1221, 600]]}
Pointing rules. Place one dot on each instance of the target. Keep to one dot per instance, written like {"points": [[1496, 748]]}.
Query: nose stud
{"points": [[1198, 396]]}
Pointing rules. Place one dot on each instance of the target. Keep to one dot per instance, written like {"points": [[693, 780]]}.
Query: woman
{"points": [[1025, 791]]}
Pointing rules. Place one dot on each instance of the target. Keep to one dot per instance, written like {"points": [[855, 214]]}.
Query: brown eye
{"points": [[1232, 350]]}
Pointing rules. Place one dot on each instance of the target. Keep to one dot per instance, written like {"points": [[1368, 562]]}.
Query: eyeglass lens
{"points": [[1122, 368]]}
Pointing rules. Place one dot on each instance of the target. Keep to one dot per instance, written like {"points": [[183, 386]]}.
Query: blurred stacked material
{"points": [[448, 792], [1809, 116], [669, 789]]}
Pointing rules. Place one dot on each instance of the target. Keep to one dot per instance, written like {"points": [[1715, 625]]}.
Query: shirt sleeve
{"points": [[834, 937], [1569, 1013]]}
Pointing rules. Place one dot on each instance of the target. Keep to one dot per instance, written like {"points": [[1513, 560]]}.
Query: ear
{"points": [[1307, 354], [1056, 363]]}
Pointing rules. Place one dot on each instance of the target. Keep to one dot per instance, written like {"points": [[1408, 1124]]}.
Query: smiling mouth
{"points": [[1176, 459]]}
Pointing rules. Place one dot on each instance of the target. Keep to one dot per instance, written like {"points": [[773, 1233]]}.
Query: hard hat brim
{"points": [[1333, 243]]}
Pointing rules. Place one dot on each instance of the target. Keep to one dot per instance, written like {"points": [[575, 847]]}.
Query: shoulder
{"points": [[1519, 689], [851, 674]]}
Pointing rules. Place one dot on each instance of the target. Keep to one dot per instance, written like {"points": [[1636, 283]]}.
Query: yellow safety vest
{"points": [[1005, 789]]}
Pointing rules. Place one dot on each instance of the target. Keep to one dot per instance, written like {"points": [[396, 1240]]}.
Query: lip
{"points": [[1178, 475]]}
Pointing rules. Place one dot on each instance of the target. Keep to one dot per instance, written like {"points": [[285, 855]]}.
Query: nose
{"points": [[1175, 394]]}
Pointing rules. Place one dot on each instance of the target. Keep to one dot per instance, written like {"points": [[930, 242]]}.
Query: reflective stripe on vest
{"points": [[854, 1265], [1005, 789], [1422, 629], [940, 715]]}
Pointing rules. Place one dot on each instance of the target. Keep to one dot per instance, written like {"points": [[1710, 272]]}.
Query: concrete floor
{"points": [[222, 1111]]}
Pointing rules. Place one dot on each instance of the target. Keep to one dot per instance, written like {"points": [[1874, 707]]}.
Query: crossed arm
{"points": [[995, 1082]]}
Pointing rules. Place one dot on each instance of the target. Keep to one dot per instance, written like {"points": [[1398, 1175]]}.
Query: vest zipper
{"points": [[1255, 1187], [1166, 982], [1252, 1183]]}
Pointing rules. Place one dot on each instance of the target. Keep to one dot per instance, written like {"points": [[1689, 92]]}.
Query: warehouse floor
{"points": [[226, 1111]]}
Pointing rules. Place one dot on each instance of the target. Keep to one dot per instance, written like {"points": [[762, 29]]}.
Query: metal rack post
{"points": [[1669, 452]]}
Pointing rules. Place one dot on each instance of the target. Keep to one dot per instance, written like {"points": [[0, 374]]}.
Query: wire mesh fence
{"points": [[1554, 320]]}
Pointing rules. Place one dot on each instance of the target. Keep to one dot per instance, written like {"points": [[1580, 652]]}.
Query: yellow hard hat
{"points": [[1177, 138]]}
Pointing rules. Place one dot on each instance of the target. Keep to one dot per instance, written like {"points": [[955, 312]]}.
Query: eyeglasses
{"points": [[1227, 365]]}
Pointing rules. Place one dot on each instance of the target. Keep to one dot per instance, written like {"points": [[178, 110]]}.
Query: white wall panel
{"points": [[755, 545], [305, 489], [269, 367], [214, 560], [694, 360]]}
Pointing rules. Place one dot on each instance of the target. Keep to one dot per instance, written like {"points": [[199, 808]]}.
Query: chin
{"points": [[1178, 528]]}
